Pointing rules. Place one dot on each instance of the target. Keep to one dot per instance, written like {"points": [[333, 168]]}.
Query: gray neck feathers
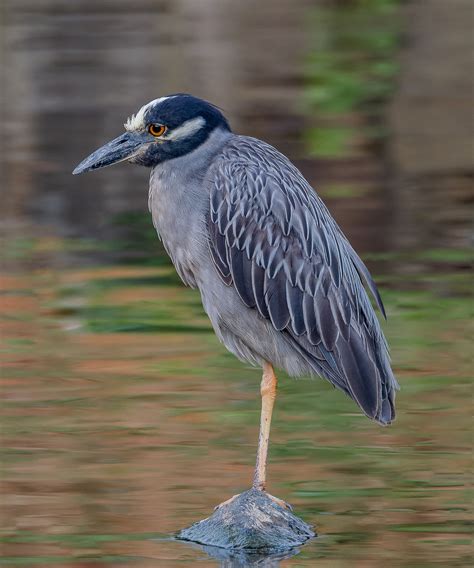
{"points": [[179, 200]]}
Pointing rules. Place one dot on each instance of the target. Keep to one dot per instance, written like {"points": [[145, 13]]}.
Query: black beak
{"points": [[118, 150]]}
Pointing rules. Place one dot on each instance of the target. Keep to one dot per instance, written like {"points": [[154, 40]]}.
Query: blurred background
{"points": [[114, 388]]}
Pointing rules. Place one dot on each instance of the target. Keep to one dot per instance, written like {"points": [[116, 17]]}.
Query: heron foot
{"points": [[278, 501], [228, 502]]}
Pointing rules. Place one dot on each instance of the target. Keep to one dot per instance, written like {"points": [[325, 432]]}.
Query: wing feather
{"points": [[272, 238]]}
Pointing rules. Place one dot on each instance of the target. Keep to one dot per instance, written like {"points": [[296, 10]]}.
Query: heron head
{"points": [[163, 129]]}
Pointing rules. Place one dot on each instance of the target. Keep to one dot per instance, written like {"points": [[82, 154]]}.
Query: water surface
{"points": [[116, 435]]}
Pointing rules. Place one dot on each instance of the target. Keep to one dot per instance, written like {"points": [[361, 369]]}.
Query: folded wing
{"points": [[272, 238]]}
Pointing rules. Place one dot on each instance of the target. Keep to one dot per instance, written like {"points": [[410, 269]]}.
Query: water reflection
{"points": [[242, 559]]}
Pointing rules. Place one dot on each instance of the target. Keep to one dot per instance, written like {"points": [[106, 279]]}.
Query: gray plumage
{"points": [[278, 279]]}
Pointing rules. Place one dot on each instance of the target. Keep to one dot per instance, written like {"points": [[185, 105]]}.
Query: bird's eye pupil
{"points": [[156, 129]]}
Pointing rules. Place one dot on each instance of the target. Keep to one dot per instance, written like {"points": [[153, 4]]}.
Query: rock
{"points": [[250, 521]]}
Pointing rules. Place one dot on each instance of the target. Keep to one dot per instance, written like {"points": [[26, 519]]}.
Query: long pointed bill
{"points": [[118, 150]]}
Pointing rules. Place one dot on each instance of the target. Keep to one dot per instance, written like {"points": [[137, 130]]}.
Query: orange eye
{"points": [[156, 129]]}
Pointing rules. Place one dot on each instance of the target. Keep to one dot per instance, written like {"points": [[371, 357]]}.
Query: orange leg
{"points": [[268, 388], [268, 392]]}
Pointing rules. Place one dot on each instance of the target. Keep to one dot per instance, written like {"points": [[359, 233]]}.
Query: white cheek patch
{"points": [[187, 129], [137, 121]]}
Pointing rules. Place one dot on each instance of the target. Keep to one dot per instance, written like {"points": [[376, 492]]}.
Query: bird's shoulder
{"points": [[245, 153], [259, 182], [264, 211], [256, 193]]}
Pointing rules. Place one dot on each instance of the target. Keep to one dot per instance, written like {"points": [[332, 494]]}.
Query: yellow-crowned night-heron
{"points": [[279, 281]]}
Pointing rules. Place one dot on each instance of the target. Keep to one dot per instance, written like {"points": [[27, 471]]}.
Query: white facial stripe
{"points": [[137, 121], [187, 129]]}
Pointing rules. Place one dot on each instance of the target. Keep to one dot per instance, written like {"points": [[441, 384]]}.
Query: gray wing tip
{"points": [[387, 412]]}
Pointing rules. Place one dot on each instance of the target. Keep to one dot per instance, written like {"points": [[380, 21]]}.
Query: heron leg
{"points": [[268, 388]]}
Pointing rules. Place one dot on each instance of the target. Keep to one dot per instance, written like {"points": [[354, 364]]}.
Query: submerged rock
{"points": [[250, 521]]}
